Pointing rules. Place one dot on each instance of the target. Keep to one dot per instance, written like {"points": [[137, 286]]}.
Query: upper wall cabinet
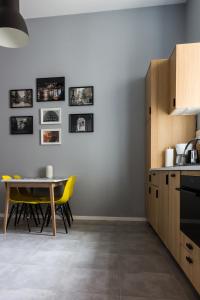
{"points": [[185, 80]]}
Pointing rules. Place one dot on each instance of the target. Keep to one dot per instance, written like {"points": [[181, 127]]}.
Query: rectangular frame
{"points": [[81, 103], [50, 143], [88, 127], [50, 93], [14, 131], [11, 98], [43, 110]]}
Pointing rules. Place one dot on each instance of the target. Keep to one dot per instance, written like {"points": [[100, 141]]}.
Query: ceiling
{"points": [[48, 8]]}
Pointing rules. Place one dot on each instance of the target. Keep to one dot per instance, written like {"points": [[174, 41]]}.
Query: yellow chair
{"points": [[62, 204], [26, 201]]}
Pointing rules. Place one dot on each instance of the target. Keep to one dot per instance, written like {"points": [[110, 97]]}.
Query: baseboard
{"points": [[103, 218]]}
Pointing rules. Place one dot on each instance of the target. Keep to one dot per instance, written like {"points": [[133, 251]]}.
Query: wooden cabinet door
{"points": [[163, 207], [172, 100], [154, 199], [174, 214], [184, 79]]}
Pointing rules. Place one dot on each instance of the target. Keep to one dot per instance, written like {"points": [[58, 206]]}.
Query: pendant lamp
{"points": [[13, 29]]}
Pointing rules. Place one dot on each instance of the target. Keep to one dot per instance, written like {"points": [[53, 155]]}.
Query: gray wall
{"points": [[193, 27], [110, 51], [193, 21]]}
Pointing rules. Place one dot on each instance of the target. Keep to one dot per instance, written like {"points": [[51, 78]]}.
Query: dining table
{"points": [[36, 183]]}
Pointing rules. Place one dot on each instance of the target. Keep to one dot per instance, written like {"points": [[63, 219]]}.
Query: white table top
{"points": [[35, 180]]}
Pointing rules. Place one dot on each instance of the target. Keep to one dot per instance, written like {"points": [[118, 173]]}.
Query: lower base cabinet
{"points": [[163, 212], [190, 260]]}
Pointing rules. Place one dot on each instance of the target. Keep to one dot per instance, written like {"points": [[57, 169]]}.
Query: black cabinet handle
{"points": [[154, 174], [174, 102], [167, 179], [156, 193], [189, 260], [173, 175], [150, 110], [189, 246]]}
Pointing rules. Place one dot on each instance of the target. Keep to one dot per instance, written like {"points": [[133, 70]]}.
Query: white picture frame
{"points": [[54, 137], [50, 116]]}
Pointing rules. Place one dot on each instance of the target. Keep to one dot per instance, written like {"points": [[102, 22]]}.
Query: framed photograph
{"points": [[81, 123], [50, 116], [81, 96], [21, 98], [21, 125], [50, 89], [51, 136]]}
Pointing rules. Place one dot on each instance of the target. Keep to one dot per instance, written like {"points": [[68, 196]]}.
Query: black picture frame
{"points": [[21, 125], [50, 89], [78, 96], [21, 98], [81, 123]]}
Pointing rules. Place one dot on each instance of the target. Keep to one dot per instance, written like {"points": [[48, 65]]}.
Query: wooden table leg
{"points": [[7, 200], [53, 213]]}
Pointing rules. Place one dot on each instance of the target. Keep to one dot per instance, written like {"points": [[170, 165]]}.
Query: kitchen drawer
{"points": [[187, 263], [154, 178], [188, 244]]}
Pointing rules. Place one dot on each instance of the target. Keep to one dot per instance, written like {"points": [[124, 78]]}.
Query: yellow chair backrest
{"points": [[17, 176], [69, 189], [6, 177]]}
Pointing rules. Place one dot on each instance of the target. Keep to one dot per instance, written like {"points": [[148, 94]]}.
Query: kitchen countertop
{"points": [[178, 168]]}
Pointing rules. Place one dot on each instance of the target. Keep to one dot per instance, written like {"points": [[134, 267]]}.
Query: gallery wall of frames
{"points": [[52, 90]]}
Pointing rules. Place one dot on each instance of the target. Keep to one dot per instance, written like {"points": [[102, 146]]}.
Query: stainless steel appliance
{"points": [[190, 207], [191, 155]]}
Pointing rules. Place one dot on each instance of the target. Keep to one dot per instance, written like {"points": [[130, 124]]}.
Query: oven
{"points": [[190, 207]]}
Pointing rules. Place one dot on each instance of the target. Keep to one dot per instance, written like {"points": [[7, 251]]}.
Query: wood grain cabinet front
{"points": [[184, 80], [174, 214]]}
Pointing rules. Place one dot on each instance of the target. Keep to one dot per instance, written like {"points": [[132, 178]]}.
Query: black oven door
{"points": [[190, 208]]}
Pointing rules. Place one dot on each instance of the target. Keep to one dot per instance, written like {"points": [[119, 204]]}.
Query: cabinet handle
{"points": [[150, 110], [156, 193], [189, 259], [173, 175], [154, 174], [167, 179], [189, 246], [174, 102]]}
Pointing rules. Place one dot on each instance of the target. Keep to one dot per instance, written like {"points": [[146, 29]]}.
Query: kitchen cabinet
{"points": [[174, 215], [162, 129], [163, 207], [185, 80], [153, 201]]}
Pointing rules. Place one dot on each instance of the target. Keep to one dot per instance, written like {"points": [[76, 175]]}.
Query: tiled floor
{"points": [[95, 261]]}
